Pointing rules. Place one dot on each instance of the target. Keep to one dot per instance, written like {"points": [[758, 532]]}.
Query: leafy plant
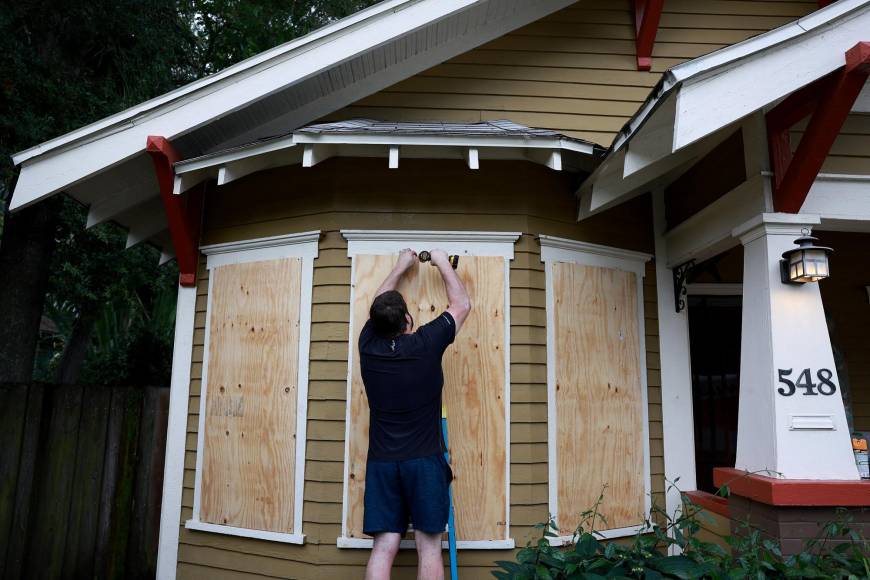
{"points": [[670, 547]]}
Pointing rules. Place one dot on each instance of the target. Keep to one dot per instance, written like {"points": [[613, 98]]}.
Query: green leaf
{"points": [[542, 573], [587, 546]]}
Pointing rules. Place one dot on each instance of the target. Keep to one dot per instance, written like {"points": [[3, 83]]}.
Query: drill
{"points": [[426, 256]]}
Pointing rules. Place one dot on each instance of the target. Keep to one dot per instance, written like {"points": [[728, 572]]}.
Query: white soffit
{"points": [[287, 86]]}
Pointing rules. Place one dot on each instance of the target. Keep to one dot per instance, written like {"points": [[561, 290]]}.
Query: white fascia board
{"points": [[721, 97], [118, 120], [52, 171]]}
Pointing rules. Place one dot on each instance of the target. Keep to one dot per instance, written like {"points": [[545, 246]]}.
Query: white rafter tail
{"points": [[166, 255], [552, 158], [185, 181], [653, 140], [113, 205], [145, 222], [394, 156], [234, 170], [314, 154], [472, 157]]}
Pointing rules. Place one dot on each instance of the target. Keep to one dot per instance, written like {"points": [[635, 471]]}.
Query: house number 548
{"points": [[804, 381]]}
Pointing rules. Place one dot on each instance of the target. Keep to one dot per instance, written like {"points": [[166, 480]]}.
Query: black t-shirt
{"points": [[403, 381]]}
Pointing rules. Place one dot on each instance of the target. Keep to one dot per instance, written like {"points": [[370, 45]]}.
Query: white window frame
{"points": [[461, 243], [304, 246], [554, 250]]}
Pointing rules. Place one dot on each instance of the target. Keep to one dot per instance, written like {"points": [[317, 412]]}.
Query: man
{"points": [[407, 478]]}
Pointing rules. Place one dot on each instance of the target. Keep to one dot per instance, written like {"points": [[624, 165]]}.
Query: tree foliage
{"points": [[65, 64]]}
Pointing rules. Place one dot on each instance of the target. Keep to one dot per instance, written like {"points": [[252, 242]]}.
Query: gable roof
{"points": [[288, 86], [688, 111]]}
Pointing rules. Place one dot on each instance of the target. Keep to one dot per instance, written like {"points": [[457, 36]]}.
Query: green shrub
{"points": [[647, 556]]}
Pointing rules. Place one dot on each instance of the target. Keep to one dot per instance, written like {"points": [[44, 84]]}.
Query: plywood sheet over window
{"points": [[249, 443], [474, 392], [598, 432]]}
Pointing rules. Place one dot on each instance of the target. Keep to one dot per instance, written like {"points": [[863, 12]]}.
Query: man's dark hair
{"points": [[388, 314]]}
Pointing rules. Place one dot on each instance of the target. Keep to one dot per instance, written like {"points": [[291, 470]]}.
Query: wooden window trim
{"points": [[304, 246], [553, 250], [470, 243]]}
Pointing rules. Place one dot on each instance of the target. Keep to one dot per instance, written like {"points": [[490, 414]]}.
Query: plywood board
{"points": [[599, 429], [249, 448], [474, 390]]}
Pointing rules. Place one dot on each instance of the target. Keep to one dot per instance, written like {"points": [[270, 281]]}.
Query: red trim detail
{"points": [[708, 501], [646, 25], [829, 100], [823, 3], [183, 212], [794, 492]]}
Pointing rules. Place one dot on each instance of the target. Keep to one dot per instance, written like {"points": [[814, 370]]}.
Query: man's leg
{"points": [[383, 553], [431, 564]]}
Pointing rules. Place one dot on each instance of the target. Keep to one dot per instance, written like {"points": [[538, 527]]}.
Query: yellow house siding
{"points": [[363, 193], [850, 152], [574, 71]]}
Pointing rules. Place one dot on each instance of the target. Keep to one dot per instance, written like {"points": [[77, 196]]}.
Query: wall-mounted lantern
{"points": [[806, 263]]}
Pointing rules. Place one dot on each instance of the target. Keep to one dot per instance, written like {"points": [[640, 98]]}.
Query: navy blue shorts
{"points": [[413, 490]]}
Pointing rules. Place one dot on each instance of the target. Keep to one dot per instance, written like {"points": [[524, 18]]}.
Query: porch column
{"points": [[798, 432]]}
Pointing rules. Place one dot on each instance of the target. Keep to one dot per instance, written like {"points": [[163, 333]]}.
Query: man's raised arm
{"points": [[407, 258], [457, 296]]}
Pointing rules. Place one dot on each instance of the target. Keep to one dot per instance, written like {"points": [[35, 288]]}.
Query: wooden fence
{"points": [[81, 477]]}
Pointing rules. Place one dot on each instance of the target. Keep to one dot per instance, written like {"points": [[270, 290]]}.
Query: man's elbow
{"points": [[465, 307]]}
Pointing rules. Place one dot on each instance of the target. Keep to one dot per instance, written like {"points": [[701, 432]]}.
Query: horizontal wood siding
{"points": [[574, 71], [850, 152], [363, 193]]}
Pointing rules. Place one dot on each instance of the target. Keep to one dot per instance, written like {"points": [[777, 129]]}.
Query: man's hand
{"points": [[407, 259], [459, 302], [439, 257]]}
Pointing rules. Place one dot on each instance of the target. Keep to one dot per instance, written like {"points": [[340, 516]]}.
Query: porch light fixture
{"points": [[806, 263]]}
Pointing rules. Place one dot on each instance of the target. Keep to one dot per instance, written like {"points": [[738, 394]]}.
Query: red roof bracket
{"points": [[829, 101], [183, 212], [646, 25]]}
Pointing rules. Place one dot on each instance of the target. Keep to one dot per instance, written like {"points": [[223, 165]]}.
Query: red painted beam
{"points": [[646, 24], [823, 3], [794, 492], [795, 174], [183, 212], [781, 118]]}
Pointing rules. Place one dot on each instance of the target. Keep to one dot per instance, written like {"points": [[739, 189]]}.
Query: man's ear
{"points": [[409, 322]]}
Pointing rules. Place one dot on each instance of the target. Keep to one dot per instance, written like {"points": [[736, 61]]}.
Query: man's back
{"points": [[403, 381]]}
